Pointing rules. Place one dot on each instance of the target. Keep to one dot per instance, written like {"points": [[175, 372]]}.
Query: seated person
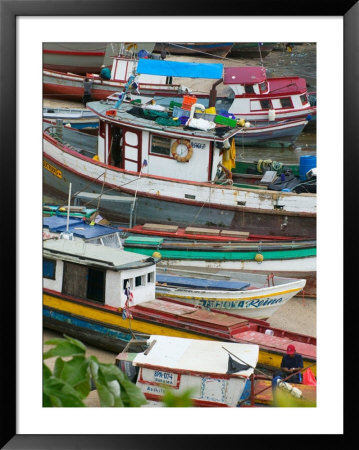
{"points": [[292, 362]]}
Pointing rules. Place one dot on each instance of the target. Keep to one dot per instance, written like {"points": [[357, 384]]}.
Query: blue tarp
{"points": [[179, 69], [201, 283], [57, 224]]}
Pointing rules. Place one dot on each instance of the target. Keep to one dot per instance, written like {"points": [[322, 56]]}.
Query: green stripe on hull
{"points": [[230, 256]]}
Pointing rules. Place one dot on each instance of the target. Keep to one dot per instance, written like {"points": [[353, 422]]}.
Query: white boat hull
{"points": [[256, 304]]}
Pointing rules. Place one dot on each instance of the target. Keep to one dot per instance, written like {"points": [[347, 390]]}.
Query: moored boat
{"points": [[136, 147], [78, 118], [246, 294], [106, 297], [205, 367], [250, 94], [77, 57], [295, 259]]}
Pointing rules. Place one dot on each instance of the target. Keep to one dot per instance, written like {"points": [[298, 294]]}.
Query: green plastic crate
{"points": [[225, 121]]}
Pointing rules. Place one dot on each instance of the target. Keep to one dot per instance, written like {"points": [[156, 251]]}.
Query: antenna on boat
{"points": [[66, 234]]}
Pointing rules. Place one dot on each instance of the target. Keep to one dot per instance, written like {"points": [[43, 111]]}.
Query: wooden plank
{"points": [[231, 233], [206, 231], [159, 227]]}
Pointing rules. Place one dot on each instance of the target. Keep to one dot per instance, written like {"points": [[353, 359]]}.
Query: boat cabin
{"points": [[96, 273], [131, 140], [215, 371], [254, 93]]}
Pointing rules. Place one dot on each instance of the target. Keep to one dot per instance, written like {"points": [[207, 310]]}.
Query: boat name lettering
{"points": [[259, 303], [155, 389], [239, 303], [52, 169], [198, 145]]}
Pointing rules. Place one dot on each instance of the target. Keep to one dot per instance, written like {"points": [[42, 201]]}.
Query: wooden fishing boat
{"points": [[295, 259], [246, 294], [106, 297], [278, 134], [133, 151], [252, 96], [195, 48], [77, 57], [77, 118], [204, 367]]}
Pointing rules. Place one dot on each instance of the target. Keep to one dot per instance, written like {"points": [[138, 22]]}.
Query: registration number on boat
{"points": [[165, 377], [52, 169]]}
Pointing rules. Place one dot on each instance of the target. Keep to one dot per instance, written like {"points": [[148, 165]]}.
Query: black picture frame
{"points": [[9, 10]]}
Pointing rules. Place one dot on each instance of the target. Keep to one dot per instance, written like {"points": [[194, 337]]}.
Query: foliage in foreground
{"points": [[70, 382]]}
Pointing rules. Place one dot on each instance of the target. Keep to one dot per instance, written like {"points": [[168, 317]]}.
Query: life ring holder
{"points": [[174, 150]]}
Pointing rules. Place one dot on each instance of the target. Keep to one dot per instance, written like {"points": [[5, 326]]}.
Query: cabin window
{"points": [[161, 145], [129, 282], [49, 267], [131, 139], [266, 104], [304, 99], [138, 281], [249, 88], [150, 277], [263, 86], [286, 102], [84, 282]]}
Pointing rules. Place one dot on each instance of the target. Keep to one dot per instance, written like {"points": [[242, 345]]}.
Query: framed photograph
{"points": [[24, 28]]}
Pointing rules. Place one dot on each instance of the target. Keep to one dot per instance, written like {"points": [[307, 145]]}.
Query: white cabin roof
{"points": [[197, 355], [123, 117], [96, 255]]}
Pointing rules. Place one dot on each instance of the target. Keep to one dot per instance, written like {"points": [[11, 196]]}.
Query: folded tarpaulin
{"points": [[234, 366], [179, 69]]}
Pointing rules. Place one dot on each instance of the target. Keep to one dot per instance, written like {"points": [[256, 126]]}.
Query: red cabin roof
{"points": [[244, 75], [287, 85]]}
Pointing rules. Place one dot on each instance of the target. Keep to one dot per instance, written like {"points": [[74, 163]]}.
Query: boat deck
{"points": [[277, 342], [123, 115]]}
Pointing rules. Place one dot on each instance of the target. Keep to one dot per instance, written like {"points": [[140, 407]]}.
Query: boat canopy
{"points": [[78, 227], [179, 69], [244, 75]]}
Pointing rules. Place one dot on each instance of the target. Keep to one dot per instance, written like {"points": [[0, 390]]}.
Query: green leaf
{"points": [[183, 399], [105, 396], [58, 393], [46, 372], [131, 394], [58, 367], [65, 347]]}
